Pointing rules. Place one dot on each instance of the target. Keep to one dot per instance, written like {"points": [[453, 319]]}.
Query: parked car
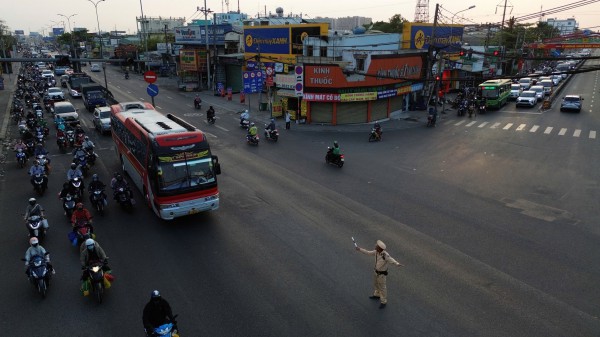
{"points": [[102, 119], [95, 67], [515, 91], [527, 98], [571, 102]]}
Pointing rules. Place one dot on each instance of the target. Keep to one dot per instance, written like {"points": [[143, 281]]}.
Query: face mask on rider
{"points": [[90, 247]]}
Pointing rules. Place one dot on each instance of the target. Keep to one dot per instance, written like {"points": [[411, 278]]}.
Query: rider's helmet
{"points": [[32, 201], [80, 206], [33, 241], [273, 120], [155, 294], [89, 243], [95, 177], [119, 177], [35, 162], [86, 138], [335, 143], [252, 124], [246, 111]]}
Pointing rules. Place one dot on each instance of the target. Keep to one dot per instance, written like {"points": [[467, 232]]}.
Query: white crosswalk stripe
{"points": [[577, 133]]}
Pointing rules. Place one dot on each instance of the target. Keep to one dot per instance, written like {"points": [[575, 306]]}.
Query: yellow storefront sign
{"points": [[358, 96]]}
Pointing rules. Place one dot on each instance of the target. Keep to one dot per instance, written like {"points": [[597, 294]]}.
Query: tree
{"points": [[394, 25]]}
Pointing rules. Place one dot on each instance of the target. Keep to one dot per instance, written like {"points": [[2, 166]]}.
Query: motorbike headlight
{"points": [[95, 269]]}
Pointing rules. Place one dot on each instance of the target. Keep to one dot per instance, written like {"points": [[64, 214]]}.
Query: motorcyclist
{"points": [[36, 169], [271, 126], [96, 184], [252, 130], [335, 150], [245, 115], [36, 209], [27, 136], [210, 113], [156, 313], [35, 249], [118, 182], [87, 144], [433, 116], [377, 129], [19, 145], [92, 253], [40, 151], [79, 134], [59, 120], [74, 172], [81, 216], [197, 102]]}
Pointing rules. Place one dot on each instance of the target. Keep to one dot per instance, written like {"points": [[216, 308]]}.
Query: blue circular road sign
{"points": [[152, 90]]}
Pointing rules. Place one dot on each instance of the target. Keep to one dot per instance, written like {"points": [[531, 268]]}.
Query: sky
{"points": [[40, 15]]}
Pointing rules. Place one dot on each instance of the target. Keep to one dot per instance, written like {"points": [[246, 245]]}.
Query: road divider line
{"points": [[592, 134], [471, 124], [483, 124], [222, 128], [562, 132], [521, 127], [459, 123], [496, 125], [577, 133], [507, 126], [548, 130]]}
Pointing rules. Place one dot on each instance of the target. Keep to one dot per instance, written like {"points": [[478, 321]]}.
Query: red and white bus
{"points": [[167, 158]]}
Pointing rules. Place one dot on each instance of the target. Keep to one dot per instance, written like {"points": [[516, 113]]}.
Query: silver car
{"points": [[527, 98], [102, 119], [571, 102], [515, 91]]}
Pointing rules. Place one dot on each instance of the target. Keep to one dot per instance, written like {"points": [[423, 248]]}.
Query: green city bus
{"points": [[495, 92]]}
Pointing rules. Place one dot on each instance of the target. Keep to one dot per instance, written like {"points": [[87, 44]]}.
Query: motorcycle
{"points": [[69, 203], [35, 227], [252, 140], [40, 184], [272, 135], [30, 143], [77, 188], [211, 119], [167, 330], [374, 136], [431, 119], [70, 137], [462, 109], [21, 158], [123, 198], [244, 123], [330, 158], [98, 199], [61, 141], [482, 108], [91, 156], [83, 231], [96, 276], [38, 273], [197, 104], [82, 163]]}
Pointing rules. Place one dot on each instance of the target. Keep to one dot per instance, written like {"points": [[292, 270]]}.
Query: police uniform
{"points": [[381, 270]]}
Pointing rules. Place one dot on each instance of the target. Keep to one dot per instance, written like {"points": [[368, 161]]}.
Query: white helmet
{"points": [[33, 241], [89, 242]]}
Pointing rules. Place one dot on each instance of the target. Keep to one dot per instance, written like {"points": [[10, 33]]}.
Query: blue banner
{"points": [[267, 40]]}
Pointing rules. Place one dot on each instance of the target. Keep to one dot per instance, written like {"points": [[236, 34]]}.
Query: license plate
{"points": [[193, 211]]}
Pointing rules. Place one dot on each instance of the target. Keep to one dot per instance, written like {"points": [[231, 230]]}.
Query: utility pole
{"points": [[206, 10], [430, 50]]}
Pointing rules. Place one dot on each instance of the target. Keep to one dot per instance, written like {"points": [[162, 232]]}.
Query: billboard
{"points": [[188, 59], [19, 32], [279, 43], [383, 70], [196, 34], [58, 31], [418, 35]]}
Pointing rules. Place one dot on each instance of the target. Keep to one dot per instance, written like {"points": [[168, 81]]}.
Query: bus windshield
{"points": [[489, 92], [184, 171]]}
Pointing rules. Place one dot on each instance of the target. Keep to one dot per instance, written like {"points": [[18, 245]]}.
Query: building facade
{"points": [[567, 26]]}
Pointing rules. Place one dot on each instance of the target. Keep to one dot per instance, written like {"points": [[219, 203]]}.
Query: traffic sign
{"points": [[150, 76], [152, 90]]}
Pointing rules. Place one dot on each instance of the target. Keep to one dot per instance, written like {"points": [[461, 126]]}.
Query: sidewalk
{"points": [[6, 96]]}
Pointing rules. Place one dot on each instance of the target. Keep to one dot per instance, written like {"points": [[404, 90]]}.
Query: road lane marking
{"points": [[158, 107], [548, 130], [470, 124], [521, 127], [577, 133], [483, 124], [508, 126], [496, 125], [592, 134], [534, 128], [459, 123], [222, 128], [562, 132], [169, 97]]}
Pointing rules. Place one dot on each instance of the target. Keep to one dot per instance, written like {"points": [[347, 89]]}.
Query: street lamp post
{"points": [[451, 43], [144, 33], [453, 16], [68, 17], [101, 44]]}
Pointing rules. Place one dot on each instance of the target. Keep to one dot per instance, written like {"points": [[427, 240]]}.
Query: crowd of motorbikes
{"points": [[271, 132]]}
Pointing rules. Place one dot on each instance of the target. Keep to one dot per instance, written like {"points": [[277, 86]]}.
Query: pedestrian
{"points": [[382, 258], [288, 120]]}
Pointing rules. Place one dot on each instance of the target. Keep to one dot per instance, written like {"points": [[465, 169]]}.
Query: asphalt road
{"points": [[497, 229]]}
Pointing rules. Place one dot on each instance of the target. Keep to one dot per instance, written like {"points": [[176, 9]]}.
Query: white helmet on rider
{"points": [[32, 201], [90, 243], [34, 241]]}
